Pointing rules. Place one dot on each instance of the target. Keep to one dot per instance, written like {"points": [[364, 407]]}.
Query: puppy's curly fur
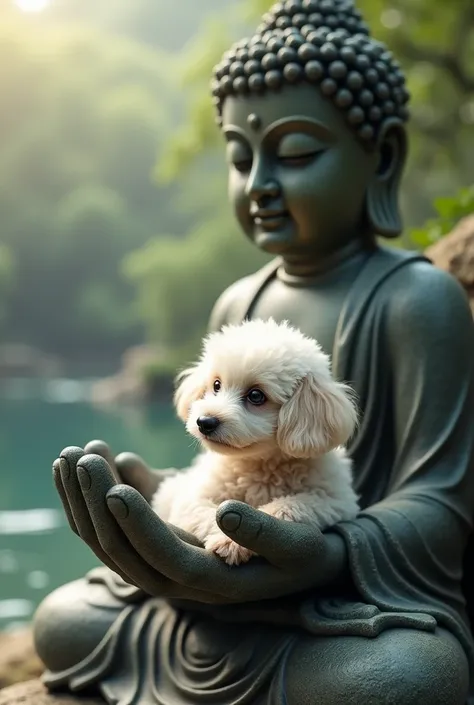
{"points": [[273, 423]]}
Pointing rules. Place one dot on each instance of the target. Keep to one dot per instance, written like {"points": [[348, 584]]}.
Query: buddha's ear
{"points": [[382, 196]]}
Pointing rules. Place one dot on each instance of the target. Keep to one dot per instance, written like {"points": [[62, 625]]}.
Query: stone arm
{"points": [[406, 551]]}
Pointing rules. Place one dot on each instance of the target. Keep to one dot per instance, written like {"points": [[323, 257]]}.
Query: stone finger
{"points": [[208, 577], [98, 447], [63, 496], [68, 459], [79, 513], [280, 542], [133, 471], [96, 480]]}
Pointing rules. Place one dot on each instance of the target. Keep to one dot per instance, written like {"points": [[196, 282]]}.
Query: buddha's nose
{"points": [[207, 424], [262, 187]]}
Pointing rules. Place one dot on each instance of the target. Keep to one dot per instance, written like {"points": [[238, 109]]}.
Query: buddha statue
{"points": [[312, 111]]}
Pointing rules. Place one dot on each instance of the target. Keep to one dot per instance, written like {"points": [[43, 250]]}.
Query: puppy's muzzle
{"points": [[208, 424]]}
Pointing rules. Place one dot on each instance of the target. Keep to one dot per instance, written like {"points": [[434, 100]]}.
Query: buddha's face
{"points": [[298, 177]]}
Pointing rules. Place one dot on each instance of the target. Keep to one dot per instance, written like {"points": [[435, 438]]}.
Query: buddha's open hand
{"points": [[119, 525]]}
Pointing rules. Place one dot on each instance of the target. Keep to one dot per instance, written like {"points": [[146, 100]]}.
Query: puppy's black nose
{"points": [[207, 424]]}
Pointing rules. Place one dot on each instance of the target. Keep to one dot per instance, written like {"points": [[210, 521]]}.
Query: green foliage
{"points": [[82, 119], [158, 370], [449, 211], [7, 277], [178, 282], [196, 135]]}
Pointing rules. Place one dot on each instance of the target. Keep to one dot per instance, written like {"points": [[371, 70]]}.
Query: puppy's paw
{"points": [[279, 510], [232, 552]]}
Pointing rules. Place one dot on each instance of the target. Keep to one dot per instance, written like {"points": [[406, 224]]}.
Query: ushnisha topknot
{"points": [[326, 43]]}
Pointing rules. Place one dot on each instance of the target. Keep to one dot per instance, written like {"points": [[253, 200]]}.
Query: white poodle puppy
{"points": [[272, 421]]}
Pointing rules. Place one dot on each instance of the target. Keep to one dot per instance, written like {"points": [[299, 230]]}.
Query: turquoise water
{"points": [[38, 552]]}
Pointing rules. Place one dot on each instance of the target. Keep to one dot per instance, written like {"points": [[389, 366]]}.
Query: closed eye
{"points": [[243, 166], [300, 160]]}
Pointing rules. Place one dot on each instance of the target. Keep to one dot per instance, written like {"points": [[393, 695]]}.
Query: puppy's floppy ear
{"points": [[318, 417], [190, 386]]}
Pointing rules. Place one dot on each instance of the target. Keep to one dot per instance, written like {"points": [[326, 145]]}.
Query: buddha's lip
{"points": [[269, 213], [271, 220]]}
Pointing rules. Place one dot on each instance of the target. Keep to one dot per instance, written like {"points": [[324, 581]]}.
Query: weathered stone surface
{"points": [[455, 254], [18, 660], [34, 693]]}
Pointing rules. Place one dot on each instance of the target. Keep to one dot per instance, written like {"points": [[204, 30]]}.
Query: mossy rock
{"points": [[455, 254]]}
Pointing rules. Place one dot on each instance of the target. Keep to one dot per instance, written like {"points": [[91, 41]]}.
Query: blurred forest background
{"points": [[115, 229]]}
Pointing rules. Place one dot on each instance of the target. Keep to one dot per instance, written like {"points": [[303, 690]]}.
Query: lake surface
{"points": [[38, 551]]}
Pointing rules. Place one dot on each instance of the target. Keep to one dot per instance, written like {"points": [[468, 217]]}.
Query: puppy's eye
{"points": [[256, 397], [217, 386]]}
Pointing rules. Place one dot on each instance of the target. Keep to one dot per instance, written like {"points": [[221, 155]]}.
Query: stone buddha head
{"points": [[313, 111]]}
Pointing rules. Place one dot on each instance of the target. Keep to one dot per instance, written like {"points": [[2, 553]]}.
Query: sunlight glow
{"points": [[32, 5], [391, 18]]}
